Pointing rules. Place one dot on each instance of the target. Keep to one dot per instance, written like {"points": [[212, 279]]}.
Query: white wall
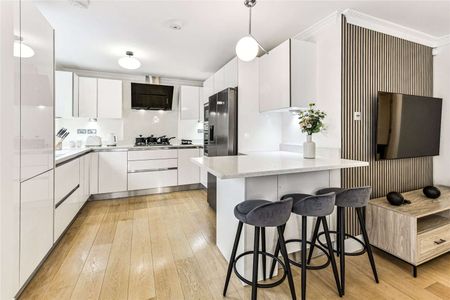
{"points": [[256, 131], [328, 87], [133, 122], [441, 89]]}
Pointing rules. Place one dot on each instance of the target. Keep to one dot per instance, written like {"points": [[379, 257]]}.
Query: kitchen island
{"points": [[268, 176]]}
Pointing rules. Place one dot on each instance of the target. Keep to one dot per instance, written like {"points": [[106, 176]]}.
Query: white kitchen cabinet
{"points": [[36, 90], [109, 98], [64, 94], [85, 164], [67, 178], [188, 172], [153, 179], [287, 76], [36, 219], [219, 80], [208, 89], [112, 171], [93, 176], [231, 74], [87, 97], [203, 172], [152, 154], [189, 103]]}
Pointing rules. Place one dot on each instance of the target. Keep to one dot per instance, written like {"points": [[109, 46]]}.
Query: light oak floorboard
{"points": [[163, 247]]}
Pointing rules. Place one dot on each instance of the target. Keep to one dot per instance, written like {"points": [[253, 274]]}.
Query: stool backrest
{"points": [[314, 205], [354, 197], [271, 214]]}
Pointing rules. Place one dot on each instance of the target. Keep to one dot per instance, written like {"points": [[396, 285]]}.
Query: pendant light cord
{"points": [[250, 21]]}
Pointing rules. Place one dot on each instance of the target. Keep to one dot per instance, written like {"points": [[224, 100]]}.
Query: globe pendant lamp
{"points": [[129, 62], [247, 48]]}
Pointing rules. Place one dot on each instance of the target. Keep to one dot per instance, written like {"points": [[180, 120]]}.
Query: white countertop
{"points": [[270, 163], [68, 154]]}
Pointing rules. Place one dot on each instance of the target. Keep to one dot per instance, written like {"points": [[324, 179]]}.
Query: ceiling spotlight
{"points": [[80, 3], [21, 49], [247, 48], [129, 61]]}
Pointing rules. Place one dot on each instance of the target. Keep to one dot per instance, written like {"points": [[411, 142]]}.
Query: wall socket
{"points": [[357, 116], [92, 131], [81, 131]]}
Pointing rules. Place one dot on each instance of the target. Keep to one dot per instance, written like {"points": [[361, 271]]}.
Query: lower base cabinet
{"points": [[36, 222], [112, 171], [188, 172], [150, 180]]}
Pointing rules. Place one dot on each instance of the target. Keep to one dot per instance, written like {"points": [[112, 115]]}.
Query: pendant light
{"points": [[129, 61], [247, 48]]}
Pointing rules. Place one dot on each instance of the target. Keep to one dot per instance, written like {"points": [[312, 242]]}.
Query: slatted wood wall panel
{"points": [[372, 62]]}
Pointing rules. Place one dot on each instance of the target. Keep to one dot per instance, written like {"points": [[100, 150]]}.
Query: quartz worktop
{"points": [[64, 155], [256, 164]]}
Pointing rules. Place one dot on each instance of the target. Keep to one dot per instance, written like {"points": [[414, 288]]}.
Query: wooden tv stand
{"points": [[416, 232]]}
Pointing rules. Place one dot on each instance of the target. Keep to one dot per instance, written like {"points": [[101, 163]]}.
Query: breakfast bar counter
{"points": [[268, 176]]}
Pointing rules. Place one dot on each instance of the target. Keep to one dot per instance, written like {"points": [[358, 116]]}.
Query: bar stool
{"points": [[312, 206], [357, 198], [261, 214]]}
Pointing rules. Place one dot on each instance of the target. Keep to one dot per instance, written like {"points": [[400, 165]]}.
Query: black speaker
{"points": [[431, 192], [396, 199]]}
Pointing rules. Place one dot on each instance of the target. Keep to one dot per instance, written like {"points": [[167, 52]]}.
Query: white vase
{"points": [[309, 148]]}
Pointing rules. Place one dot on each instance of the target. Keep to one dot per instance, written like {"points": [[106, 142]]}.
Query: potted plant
{"points": [[311, 121]]}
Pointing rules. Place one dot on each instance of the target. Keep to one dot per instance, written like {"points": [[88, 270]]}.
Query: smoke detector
{"points": [[80, 3]]}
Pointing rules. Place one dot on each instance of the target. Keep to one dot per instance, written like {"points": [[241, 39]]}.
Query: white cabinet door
{"points": [[36, 219], [93, 176], [112, 172], [85, 164], [303, 73], [208, 89], [203, 172], [188, 172], [219, 81], [189, 102], [274, 79], [231, 73], [109, 98], [150, 180], [87, 97], [63, 94], [67, 178], [37, 75]]}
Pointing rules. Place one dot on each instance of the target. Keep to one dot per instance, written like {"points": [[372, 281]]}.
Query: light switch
{"points": [[357, 116]]}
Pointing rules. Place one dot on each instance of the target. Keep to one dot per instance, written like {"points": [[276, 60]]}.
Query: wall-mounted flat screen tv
{"points": [[151, 96], [407, 126]]}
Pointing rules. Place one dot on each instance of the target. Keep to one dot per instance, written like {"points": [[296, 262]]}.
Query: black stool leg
{"points": [[255, 263], [304, 222], [276, 253], [342, 247], [313, 240], [286, 260], [330, 251], [338, 234], [233, 257], [263, 248], [362, 224]]}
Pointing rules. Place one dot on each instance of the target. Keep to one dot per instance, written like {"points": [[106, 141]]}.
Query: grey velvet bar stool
{"points": [[261, 214], [312, 206], [358, 199]]}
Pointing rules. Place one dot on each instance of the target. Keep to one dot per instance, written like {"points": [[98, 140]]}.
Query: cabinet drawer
{"points": [[66, 211], [433, 243], [151, 165], [152, 154], [67, 177], [149, 180]]}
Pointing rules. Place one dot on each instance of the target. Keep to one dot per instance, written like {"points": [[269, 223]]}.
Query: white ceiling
{"points": [[96, 37]]}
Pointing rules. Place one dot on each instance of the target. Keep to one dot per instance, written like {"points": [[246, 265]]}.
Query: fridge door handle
{"points": [[211, 133]]}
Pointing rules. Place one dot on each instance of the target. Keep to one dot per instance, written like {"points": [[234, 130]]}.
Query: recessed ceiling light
{"points": [[129, 61], [175, 24], [80, 3]]}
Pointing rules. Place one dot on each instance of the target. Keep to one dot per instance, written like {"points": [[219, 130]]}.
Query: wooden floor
{"points": [[163, 247]]}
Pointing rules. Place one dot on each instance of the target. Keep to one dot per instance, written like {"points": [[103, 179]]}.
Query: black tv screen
{"points": [[407, 126], [151, 96]]}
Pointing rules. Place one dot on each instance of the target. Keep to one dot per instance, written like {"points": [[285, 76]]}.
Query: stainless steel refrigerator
{"points": [[220, 131]]}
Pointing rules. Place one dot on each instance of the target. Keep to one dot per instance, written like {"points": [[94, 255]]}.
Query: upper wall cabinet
{"points": [[226, 77], [64, 94], [208, 89], [287, 76], [99, 98], [189, 102], [109, 98]]}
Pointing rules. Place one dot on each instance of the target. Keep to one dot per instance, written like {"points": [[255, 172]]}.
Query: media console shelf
{"points": [[416, 232]]}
